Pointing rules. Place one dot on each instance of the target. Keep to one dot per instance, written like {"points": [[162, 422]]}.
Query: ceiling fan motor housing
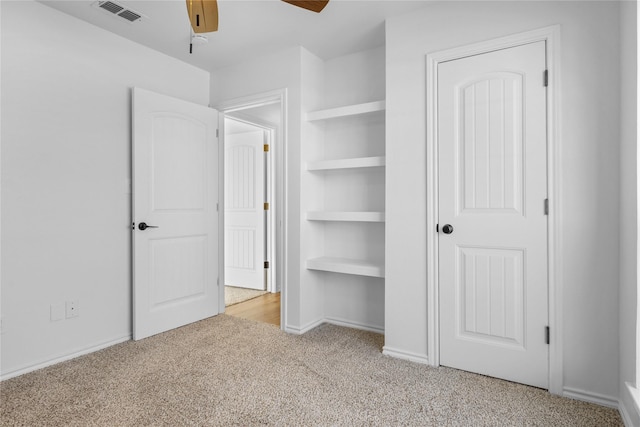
{"points": [[203, 14]]}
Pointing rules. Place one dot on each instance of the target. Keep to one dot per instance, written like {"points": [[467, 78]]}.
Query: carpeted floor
{"points": [[234, 295], [229, 371]]}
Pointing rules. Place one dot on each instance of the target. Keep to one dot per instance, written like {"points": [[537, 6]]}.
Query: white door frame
{"points": [[279, 165], [551, 35]]}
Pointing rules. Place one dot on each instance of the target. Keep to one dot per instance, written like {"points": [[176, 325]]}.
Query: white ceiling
{"points": [[249, 27]]}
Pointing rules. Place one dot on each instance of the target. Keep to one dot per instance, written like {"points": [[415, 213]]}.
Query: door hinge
{"points": [[217, 133], [217, 207], [546, 78], [266, 264], [266, 206], [218, 282], [547, 335], [546, 206], [266, 148]]}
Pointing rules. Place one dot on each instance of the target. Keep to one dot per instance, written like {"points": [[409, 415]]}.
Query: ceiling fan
{"points": [[203, 14]]}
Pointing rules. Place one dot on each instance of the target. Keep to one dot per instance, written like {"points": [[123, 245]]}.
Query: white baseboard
{"points": [[405, 355], [626, 418], [333, 321], [630, 405], [37, 366], [355, 325], [303, 329], [587, 396]]}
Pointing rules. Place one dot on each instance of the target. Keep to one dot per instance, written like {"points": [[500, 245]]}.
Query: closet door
{"points": [[492, 225]]}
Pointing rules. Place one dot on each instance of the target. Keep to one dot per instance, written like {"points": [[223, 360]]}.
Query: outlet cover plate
{"points": [[73, 309]]}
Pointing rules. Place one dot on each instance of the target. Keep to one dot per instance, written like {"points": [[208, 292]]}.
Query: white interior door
{"points": [[244, 210], [175, 188], [492, 224]]}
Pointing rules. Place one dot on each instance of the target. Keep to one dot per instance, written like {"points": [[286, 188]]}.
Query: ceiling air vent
{"points": [[119, 10], [129, 15]]}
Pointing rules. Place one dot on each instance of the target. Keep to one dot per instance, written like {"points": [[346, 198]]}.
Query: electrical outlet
{"points": [[73, 309], [57, 312]]}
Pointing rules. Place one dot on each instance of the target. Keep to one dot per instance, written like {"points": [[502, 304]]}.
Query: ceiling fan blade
{"points": [[312, 5], [203, 15]]}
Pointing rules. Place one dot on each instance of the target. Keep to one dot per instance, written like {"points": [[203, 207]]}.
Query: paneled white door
{"points": [[244, 210], [175, 223], [492, 224]]}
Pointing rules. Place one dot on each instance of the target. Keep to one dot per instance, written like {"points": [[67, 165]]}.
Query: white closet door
{"points": [[492, 189]]}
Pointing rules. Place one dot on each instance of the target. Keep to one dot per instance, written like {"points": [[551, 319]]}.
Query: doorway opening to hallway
{"points": [[252, 142]]}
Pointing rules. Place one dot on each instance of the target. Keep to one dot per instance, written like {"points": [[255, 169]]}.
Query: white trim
{"points": [[332, 321], [554, 177], [281, 187], [304, 329], [626, 419], [629, 394], [551, 35], [634, 396], [405, 355], [353, 325], [220, 205], [433, 313], [587, 396], [251, 101], [54, 361]]}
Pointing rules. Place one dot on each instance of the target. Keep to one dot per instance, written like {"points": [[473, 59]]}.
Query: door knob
{"points": [[447, 229], [143, 226]]}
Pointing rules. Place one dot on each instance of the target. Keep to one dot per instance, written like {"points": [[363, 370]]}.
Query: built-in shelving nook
{"points": [[344, 168], [351, 187]]}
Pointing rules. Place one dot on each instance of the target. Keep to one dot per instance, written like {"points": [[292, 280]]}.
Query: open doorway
{"points": [[253, 236]]}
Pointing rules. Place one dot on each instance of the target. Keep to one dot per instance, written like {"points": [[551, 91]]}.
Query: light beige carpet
{"points": [[228, 371], [234, 295]]}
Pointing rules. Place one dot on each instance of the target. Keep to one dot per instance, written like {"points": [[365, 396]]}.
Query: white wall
{"points": [[590, 171], [628, 207], [354, 78], [65, 171], [312, 241]]}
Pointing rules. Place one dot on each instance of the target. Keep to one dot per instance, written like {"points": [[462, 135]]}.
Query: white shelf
{"points": [[346, 216], [349, 110], [346, 266], [359, 162]]}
